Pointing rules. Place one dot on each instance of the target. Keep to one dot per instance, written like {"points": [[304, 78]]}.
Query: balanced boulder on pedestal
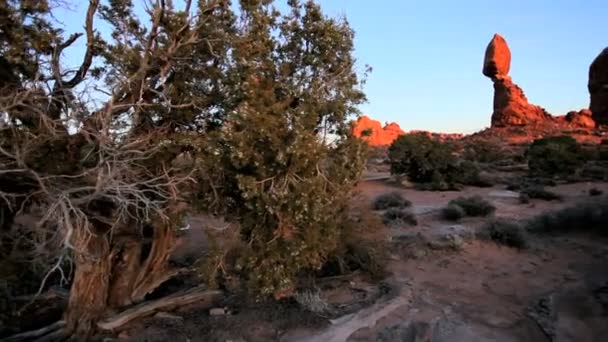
{"points": [[511, 107]]}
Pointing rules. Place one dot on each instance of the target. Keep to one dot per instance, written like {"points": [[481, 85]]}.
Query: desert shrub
{"points": [[506, 232], [360, 247], [453, 212], [467, 173], [539, 192], [483, 151], [590, 216], [554, 156], [474, 205], [432, 163], [595, 192], [390, 200], [420, 157], [399, 216]]}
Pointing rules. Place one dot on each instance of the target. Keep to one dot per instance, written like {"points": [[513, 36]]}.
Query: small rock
{"points": [[570, 276], [527, 269], [418, 253], [123, 335], [217, 311]]}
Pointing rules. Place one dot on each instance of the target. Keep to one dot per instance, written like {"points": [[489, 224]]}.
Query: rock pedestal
{"points": [[598, 88], [511, 107]]}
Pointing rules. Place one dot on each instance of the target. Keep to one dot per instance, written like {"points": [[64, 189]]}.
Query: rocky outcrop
{"points": [[582, 119], [372, 131], [598, 88], [511, 107]]}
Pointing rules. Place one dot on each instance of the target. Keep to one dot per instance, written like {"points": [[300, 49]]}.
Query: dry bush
{"points": [[390, 200], [474, 205], [595, 192], [539, 192], [396, 216], [361, 247], [453, 212], [584, 217], [311, 300], [506, 232]]}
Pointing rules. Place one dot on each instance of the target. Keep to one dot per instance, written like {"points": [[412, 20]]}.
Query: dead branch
{"points": [[28, 335], [198, 294]]}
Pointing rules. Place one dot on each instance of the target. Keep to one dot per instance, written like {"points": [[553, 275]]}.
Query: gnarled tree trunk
{"points": [[112, 272]]}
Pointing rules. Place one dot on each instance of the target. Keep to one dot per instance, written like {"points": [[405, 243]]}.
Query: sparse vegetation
{"points": [[390, 200], [539, 192], [595, 192], [311, 300], [590, 216], [554, 156], [395, 216], [359, 247], [453, 212], [506, 232], [474, 205]]}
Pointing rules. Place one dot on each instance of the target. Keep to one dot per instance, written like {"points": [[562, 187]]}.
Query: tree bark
{"points": [[110, 274]]}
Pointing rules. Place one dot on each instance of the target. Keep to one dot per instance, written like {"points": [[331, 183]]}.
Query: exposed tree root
{"points": [[54, 330]]}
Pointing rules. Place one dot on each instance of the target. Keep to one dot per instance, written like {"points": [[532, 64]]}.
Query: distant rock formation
{"points": [[598, 88], [511, 107], [372, 131], [582, 118]]}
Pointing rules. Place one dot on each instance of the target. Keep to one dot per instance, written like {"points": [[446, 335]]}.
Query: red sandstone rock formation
{"points": [[582, 118], [372, 131], [511, 107], [497, 60], [598, 88]]}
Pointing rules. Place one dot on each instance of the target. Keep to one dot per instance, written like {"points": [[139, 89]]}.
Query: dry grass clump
{"points": [[395, 216]]}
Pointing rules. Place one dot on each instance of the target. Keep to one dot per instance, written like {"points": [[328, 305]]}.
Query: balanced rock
{"points": [[598, 88], [372, 131], [497, 60], [511, 107]]}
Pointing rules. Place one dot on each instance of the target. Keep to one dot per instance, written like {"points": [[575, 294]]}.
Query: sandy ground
{"points": [[557, 290]]}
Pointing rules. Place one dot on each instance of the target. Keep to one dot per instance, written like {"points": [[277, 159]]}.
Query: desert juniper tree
{"points": [[103, 179], [284, 154], [241, 111]]}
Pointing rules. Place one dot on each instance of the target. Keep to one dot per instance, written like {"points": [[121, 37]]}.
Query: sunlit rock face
{"points": [[598, 88], [511, 107], [372, 131]]}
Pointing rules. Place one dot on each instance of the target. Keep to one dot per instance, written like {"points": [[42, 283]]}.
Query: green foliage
{"points": [[554, 156], [432, 163], [270, 161], [453, 212], [396, 216], [420, 157], [390, 200], [474, 205], [483, 151], [506, 232]]}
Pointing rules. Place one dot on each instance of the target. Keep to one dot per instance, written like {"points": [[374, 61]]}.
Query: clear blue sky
{"points": [[427, 55]]}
